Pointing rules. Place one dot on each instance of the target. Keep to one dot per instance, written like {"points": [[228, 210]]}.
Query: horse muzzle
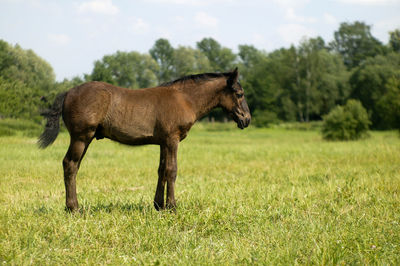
{"points": [[242, 120]]}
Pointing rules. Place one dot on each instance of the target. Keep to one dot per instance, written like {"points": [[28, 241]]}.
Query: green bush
{"points": [[349, 122], [264, 118], [12, 127], [5, 132]]}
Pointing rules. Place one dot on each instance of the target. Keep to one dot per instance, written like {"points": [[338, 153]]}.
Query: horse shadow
{"points": [[100, 207], [122, 207]]}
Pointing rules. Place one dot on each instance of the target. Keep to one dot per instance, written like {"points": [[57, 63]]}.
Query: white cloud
{"points": [[291, 3], [290, 15], [258, 38], [164, 32], [30, 2], [202, 19], [179, 2], [261, 40], [104, 7], [139, 26], [369, 2], [178, 19], [292, 33], [59, 39], [330, 19], [193, 2]]}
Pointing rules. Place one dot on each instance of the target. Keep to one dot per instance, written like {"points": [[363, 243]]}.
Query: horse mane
{"points": [[196, 78]]}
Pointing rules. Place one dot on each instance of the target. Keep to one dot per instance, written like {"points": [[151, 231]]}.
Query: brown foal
{"points": [[162, 115]]}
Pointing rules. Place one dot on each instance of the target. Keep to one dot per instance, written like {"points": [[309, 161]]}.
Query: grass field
{"points": [[257, 196]]}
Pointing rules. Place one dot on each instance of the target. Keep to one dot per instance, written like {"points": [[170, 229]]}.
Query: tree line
{"points": [[300, 83]]}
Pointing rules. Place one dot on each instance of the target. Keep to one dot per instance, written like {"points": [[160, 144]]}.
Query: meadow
{"points": [[254, 196]]}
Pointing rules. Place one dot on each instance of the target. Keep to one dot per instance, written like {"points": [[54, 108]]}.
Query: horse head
{"points": [[234, 102]]}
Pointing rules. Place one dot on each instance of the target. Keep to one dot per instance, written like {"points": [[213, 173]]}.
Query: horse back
{"points": [[148, 116]]}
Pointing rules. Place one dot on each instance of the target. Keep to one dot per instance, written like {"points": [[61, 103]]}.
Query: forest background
{"points": [[301, 83]]}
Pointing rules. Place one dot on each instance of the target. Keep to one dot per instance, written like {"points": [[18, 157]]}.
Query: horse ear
{"points": [[235, 73], [234, 77]]}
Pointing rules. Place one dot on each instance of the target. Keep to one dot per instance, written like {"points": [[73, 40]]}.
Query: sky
{"points": [[72, 34]]}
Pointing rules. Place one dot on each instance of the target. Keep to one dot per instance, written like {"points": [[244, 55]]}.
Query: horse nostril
{"points": [[248, 119]]}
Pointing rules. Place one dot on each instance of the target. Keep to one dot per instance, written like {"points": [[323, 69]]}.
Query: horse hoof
{"points": [[171, 207], [71, 210], [158, 206]]}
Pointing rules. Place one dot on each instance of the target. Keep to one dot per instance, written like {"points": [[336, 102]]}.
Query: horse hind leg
{"points": [[71, 164]]}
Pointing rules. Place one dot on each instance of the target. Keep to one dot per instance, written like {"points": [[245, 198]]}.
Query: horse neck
{"points": [[205, 96]]}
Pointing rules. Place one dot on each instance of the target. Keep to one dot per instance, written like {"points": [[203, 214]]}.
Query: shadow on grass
{"points": [[100, 207], [116, 207]]}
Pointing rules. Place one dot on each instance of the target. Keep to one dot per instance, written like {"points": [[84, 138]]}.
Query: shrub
{"points": [[6, 132], [264, 118], [12, 127], [349, 122]]}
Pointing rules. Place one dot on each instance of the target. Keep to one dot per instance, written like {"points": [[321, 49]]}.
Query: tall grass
{"points": [[257, 196]]}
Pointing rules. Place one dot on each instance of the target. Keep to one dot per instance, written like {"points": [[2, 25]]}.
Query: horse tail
{"points": [[52, 127]]}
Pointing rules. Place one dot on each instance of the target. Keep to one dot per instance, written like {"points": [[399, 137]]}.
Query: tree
{"points": [[261, 87], [6, 58], [300, 83], [189, 61], [252, 65], [25, 66], [24, 79], [163, 53], [64, 85], [355, 43], [269, 85], [18, 100], [221, 58], [368, 84], [319, 79], [389, 104], [394, 40], [126, 69], [308, 69], [333, 82], [250, 56]]}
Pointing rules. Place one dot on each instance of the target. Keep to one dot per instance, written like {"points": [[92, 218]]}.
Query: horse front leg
{"points": [[166, 174], [159, 197], [170, 173]]}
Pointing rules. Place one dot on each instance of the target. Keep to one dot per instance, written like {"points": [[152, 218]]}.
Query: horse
{"points": [[161, 115]]}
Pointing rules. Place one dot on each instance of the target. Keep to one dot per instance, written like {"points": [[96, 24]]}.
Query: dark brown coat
{"points": [[162, 115]]}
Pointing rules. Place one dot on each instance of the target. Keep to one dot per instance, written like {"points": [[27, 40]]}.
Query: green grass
{"points": [[257, 196]]}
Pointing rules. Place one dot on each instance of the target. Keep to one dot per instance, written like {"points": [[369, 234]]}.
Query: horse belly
{"points": [[129, 134], [132, 132]]}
